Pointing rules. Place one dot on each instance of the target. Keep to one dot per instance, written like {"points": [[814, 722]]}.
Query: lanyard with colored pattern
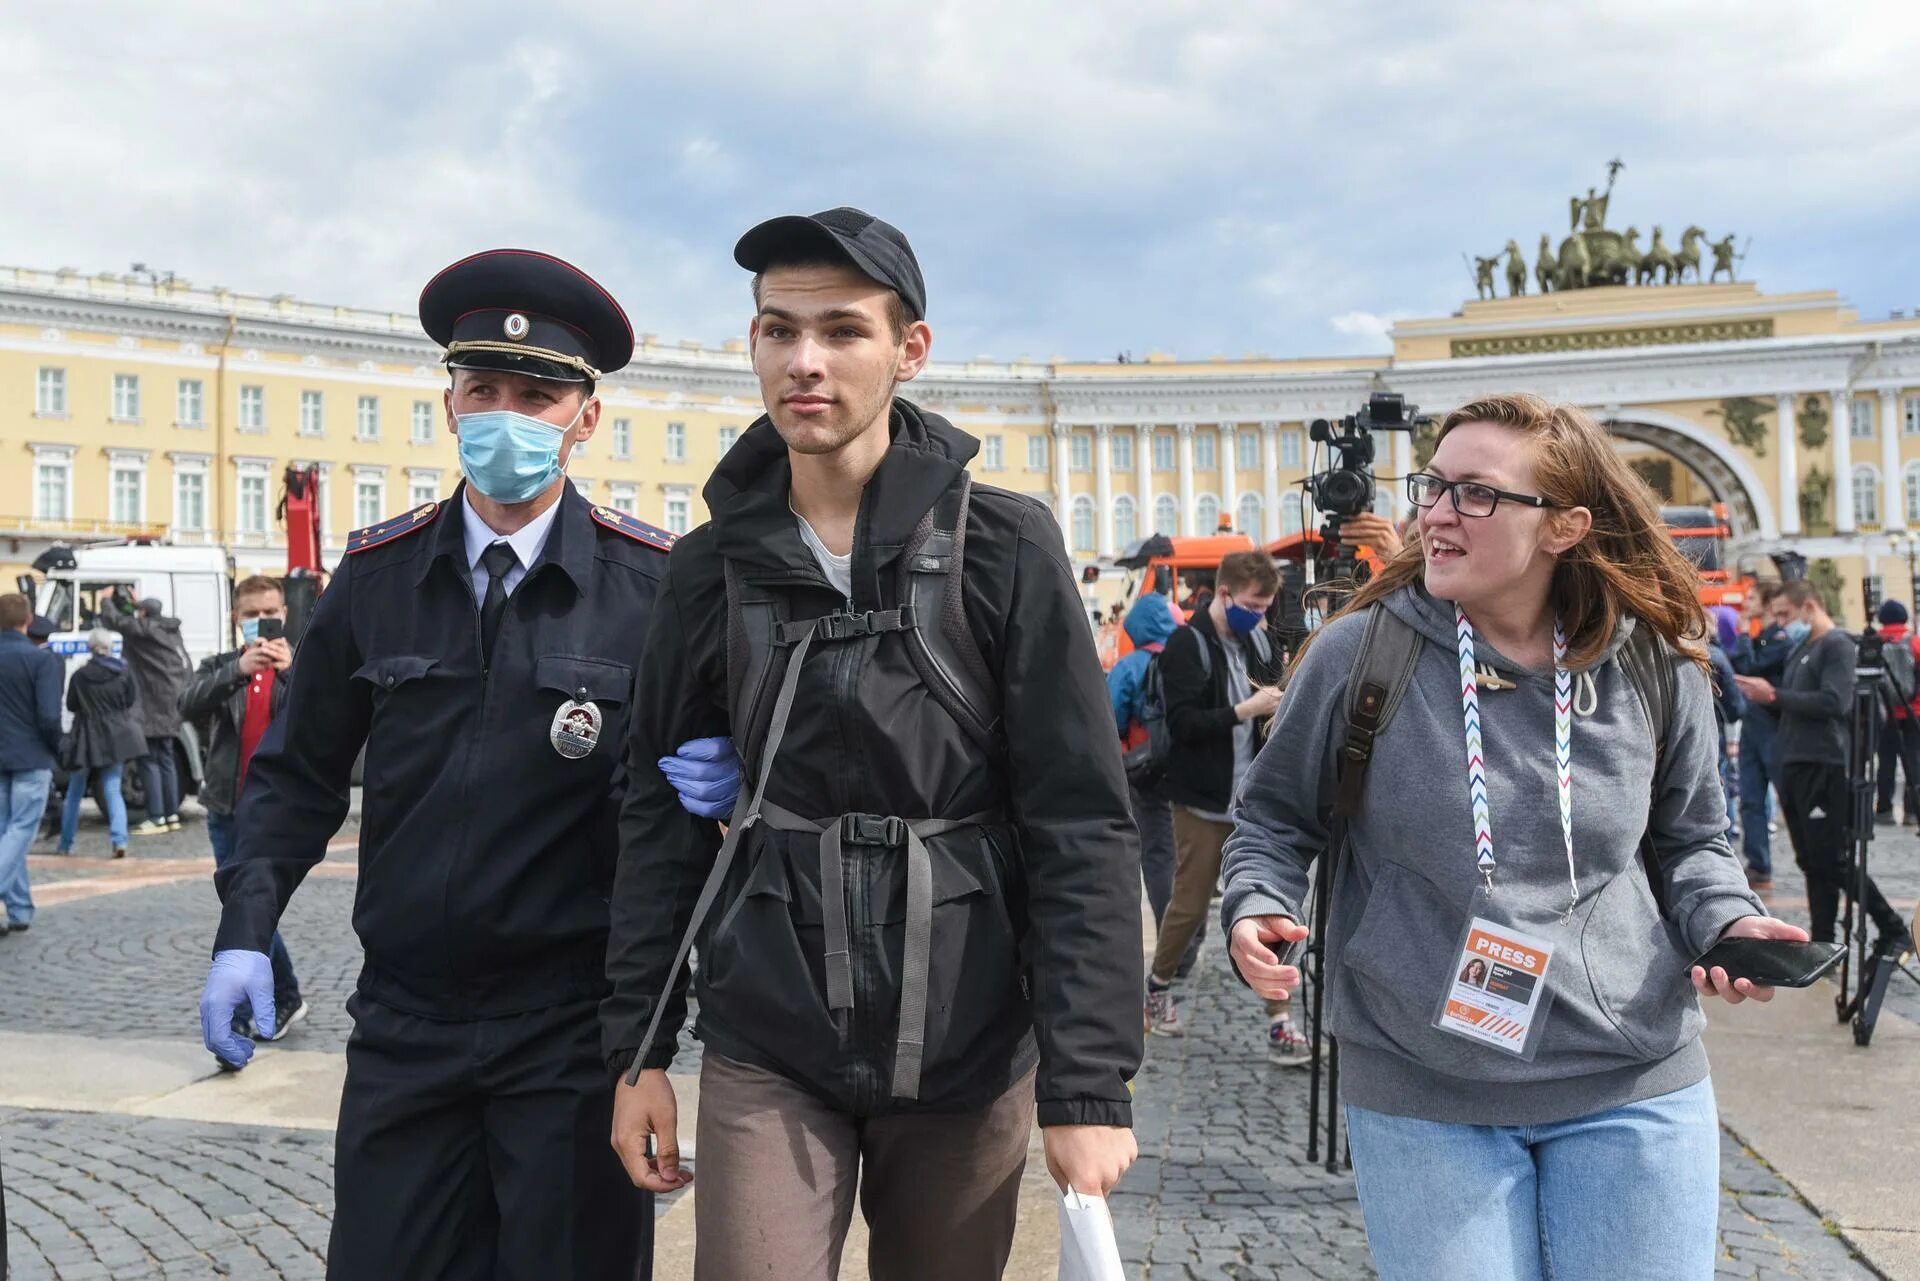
{"points": [[1476, 754]]}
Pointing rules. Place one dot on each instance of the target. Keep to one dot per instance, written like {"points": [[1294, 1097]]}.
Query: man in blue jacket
{"points": [[1149, 622], [29, 738]]}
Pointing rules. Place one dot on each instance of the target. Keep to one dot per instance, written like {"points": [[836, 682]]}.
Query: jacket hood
{"points": [[1150, 620], [101, 667], [1433, 619], [753, 523]]}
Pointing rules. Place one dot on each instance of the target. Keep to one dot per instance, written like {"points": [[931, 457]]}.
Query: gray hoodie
{"points": [[1624, 1023]]}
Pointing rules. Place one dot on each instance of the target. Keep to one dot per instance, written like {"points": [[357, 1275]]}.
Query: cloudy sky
{"points": [[1079, 177]]}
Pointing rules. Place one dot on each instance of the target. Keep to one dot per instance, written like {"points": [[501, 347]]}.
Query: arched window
{"points": [[1290, 514], [1866, 494], [1252, 510], [1082, 523], [1206, 515], [1166, 515], [1124, 530], [1913, 493]]}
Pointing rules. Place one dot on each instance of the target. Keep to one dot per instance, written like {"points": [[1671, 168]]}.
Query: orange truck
{"points": [[1700, 533]]}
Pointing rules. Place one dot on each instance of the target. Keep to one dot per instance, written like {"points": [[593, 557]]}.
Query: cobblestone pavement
{"points": [[1222, 1188]]}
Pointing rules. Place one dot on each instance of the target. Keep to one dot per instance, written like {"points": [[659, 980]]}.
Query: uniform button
{"points": [[390, 681], [580, 695]]}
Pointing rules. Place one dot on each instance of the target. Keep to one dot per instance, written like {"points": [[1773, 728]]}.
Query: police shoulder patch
{"points": [[634, 528], [393, 527]]}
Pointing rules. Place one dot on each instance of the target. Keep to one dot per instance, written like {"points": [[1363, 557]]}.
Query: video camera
{"points": [[1346, 489]]}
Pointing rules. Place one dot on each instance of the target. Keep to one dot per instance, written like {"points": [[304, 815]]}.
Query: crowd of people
{"points": [[860, 768]]}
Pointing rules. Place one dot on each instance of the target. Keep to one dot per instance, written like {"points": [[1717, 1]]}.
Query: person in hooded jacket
{"points": [[103, 738], [847, 1037], [157, 657], [1149, 623], [1482, 1147], [1900, 734]]}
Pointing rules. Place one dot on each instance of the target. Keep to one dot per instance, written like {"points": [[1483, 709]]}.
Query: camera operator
{"points": [[236, 695], [1814, 699]]}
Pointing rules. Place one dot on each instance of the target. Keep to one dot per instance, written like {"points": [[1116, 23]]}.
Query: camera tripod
{"points": [[1865, 972]]}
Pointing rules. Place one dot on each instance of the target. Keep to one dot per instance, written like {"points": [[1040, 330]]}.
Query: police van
{"points": [[193, 584]]}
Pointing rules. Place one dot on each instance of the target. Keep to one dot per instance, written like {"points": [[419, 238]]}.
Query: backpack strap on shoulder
{"points": [[754, 620], [1647, 660], [1382, 669], [939, 641]]}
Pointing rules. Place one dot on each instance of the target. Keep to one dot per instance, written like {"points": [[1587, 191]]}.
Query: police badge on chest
{"points": [[575, 731]]}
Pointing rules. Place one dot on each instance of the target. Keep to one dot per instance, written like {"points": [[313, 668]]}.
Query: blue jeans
{"points": [[286, 984], [163, 778], [1630, 1192], [116, 806], [23, 799], [1758, 769]]}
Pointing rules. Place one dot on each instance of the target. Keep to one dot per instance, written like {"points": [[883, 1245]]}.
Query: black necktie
{"points": [[498, 559]]}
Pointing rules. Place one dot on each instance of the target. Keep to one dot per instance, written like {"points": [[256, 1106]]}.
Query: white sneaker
{"points": [[1285, 1046], [1163, 1014]]}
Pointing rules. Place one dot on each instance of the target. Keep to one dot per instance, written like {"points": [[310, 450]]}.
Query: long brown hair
{"points": [[1626, 564]]}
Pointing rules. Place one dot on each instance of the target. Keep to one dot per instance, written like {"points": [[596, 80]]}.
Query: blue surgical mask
{"points": [[1798, 630], [511, 457], [249, 630], [1241, 620]]}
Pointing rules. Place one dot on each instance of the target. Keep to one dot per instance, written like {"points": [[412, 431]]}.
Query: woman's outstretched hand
{"points": [[1734, 991]]}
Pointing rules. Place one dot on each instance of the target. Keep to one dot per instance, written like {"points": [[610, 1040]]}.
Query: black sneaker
{"points": [[285, 1015], [1892, 944]]}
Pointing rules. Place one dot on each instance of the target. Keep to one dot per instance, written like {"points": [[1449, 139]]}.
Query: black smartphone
{"points": [[272, 628], [1772, 962]]}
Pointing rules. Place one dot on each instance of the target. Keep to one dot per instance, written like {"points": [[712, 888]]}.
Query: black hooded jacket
{"points": [[1077, 853]]}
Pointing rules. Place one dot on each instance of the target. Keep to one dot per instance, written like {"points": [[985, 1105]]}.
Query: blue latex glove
{"points": [[237, 979], [706, 773]]}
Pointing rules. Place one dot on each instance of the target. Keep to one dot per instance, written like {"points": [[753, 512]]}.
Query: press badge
{"points": [[1497, 990]]}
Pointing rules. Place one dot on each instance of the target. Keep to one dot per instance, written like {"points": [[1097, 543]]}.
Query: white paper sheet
{"points": [[1088, 1251]]}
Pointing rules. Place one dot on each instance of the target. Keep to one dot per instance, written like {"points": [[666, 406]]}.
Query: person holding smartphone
{"points": [[1501, 822], [234, 697]]}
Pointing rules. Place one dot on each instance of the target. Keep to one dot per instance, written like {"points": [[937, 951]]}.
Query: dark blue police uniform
{"points": [[473, 1135]]}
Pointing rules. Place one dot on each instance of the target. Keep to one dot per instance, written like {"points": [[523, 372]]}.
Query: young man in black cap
{"points": [[931, 867], [481, 649]]}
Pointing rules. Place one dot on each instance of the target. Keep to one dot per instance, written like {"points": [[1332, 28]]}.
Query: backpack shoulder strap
{"points": [[1382, 670], [1647, 660], [754, 616], [940, 643]]}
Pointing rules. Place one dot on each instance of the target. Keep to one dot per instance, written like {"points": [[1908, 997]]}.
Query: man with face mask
{"points": [[481, 649]]}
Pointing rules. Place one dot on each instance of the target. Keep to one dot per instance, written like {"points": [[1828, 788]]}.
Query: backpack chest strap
{"points": [[848, 626], [916, 959]]}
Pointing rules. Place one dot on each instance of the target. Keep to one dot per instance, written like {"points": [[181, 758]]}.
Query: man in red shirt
{"points": [[232, 697]]}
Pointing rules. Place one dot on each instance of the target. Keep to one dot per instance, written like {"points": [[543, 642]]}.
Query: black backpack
{"points": [[1146, 763], [1897, 688]]}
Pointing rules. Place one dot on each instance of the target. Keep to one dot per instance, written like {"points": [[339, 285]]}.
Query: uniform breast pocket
{"points": [[394, 674], [589, 710]]}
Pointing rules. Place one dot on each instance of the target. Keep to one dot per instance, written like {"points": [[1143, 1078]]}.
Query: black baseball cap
{"points": [[877, 249]]}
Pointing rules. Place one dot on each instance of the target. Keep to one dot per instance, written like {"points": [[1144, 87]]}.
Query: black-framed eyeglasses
{"points": [[1470, 497]]}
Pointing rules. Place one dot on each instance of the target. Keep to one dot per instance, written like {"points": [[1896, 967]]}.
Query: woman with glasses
{"points": [[1557, 1119]]}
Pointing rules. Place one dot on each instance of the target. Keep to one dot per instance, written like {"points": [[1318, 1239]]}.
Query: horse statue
{"points": [[1687, 258], [1545, 267], [1658, 260], [1516, 270], [1622, 258], [1576, 264]]}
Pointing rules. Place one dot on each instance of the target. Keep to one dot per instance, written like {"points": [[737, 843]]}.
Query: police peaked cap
{"points": [[523, 312]]}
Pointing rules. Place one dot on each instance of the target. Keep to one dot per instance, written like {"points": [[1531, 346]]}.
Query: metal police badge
{"points": [[575, 731], [517, 326]]}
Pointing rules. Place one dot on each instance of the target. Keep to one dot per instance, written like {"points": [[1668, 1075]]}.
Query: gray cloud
{"points": [[1080, 177]]}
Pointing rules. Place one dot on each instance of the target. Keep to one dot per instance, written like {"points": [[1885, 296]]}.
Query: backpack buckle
{"points": [[872, 829]]}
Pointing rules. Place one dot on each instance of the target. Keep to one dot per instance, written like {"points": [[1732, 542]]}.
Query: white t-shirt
{"points": [[838, 569]]}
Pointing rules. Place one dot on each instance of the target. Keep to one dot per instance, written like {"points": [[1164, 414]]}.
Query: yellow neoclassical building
{"points": [[135, 407]]}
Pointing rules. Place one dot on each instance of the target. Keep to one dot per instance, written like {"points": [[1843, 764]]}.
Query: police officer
{"points": [[481, 649]]}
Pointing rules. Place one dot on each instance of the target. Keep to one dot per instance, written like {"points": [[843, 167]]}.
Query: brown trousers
{"points": [[1197, 843], [777, 1168]]}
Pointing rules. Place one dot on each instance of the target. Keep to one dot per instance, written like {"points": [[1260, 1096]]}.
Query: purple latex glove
{"points": [[706, 773], [236, 979]]}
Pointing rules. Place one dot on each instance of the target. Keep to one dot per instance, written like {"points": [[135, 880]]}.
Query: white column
{"points": [[1786, 439], [1270, 476], [1186, 477], [1227, 436], [1103, 485], [1842, 426], [1061, 496], [1402, 464], [1893, 486], [1143, 479]]}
